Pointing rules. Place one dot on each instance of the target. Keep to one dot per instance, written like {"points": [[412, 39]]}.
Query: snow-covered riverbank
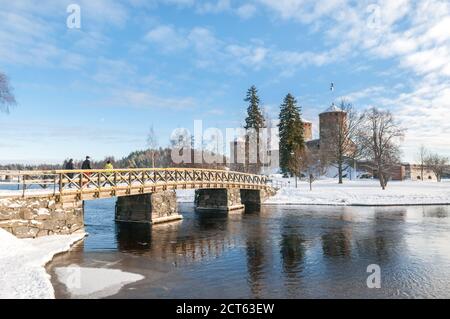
{"points": [[23, 274], [22, 261], [364, 192]]}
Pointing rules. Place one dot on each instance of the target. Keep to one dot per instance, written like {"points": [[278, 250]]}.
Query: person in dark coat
{"points": [[87, 163], [70, 166]]}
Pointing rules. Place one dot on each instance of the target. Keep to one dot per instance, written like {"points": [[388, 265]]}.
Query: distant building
{"points": [[414, 173], [307, 130], [402, 172], [396, 172]]}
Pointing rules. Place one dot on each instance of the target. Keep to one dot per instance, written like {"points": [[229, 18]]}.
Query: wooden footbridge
{"points": [[49, 202], [71, 185]]}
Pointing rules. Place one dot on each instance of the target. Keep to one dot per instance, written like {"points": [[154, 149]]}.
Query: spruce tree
{"points": [[254, 120], [291, 137]]}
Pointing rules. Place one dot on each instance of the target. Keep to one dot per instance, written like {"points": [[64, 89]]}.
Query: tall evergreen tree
{"points": [[292, 141], [254, 120]]}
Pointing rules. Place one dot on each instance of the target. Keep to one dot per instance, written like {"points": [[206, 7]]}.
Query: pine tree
{"points": [[290, 133], [255, 118], [254, 121]]}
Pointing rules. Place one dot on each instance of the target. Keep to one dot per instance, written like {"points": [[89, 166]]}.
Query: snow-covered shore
{"points": [[22, 261], [364, 192]]}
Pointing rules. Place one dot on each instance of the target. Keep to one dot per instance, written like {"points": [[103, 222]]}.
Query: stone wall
{"points": [[35, 217], [256, 197], [149, 208], [218, 199]]}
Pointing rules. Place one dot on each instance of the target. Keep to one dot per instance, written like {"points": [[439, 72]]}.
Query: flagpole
{"points": [[332, 92]]}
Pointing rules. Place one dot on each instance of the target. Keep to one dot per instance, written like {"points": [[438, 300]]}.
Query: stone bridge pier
{"points": [[226, 200], [152, 208]]}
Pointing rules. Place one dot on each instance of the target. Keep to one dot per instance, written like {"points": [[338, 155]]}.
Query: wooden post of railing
{"points": [[81, 183], [23, 186], [61, 186], [54, 185], [130, 180]]}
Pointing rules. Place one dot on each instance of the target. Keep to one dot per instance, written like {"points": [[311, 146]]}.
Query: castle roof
{"points": [[333, 108]]}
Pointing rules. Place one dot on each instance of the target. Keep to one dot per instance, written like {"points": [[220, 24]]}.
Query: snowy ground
{"points": [[22, 261], [361, 192], [23, 276], [364, 192]]}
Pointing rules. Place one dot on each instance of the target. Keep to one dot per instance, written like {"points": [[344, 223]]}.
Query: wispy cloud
{"points": [[139, 99]]}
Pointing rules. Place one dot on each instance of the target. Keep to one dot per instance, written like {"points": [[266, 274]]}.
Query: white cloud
{"points": [[246, 11], [143, 99], [414, 34], [167, 38], [213, 7], [208, 51]]}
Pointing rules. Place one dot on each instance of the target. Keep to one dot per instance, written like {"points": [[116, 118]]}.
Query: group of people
{"points": [[86, 164]]}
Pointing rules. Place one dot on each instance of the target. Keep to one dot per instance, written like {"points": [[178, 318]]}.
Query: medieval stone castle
{"points": [[329, 122]]}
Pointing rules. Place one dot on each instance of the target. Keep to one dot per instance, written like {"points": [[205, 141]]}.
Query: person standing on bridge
{"points": [[86, 165], [69, 167], [108, 167]]}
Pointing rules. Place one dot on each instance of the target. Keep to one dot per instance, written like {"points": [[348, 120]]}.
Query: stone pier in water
{"points": [[150, 208], [226, 200]]}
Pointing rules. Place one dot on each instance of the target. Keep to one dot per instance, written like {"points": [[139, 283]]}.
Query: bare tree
{"points": [[421, 158], [152, 144], [342, 150], [7, 98], [298, 162], [437, 164], [313, 164], [379, 139]]}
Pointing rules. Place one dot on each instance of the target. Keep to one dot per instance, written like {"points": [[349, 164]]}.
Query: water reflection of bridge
{"points": [[178, 242]]}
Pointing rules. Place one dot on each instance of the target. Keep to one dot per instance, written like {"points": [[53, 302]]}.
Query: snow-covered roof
{"points": [[306, 121], [333, 108]]}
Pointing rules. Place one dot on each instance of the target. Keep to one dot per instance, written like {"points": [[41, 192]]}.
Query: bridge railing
{"points": [[61, 182]]}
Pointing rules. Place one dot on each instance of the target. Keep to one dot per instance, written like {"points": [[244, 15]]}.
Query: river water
{"points": [[274, 252]]}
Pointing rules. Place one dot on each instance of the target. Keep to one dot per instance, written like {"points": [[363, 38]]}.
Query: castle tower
{"points": [[330, 121]]}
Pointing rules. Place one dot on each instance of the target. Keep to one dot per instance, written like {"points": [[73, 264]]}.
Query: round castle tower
{"points": [[329, 123]]}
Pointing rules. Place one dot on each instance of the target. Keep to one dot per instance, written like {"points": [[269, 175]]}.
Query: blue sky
{"points": [[132, 64]]}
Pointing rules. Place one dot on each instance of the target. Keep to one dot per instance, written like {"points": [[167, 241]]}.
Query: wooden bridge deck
{"points": [[71, 185]]}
